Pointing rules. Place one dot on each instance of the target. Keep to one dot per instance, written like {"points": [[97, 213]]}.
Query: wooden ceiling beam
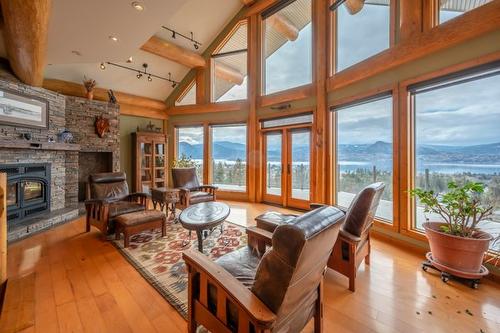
{"points": [[248, 2], [228, 73], [25, 32], [284, 26], [175, 53], [129, 104]]}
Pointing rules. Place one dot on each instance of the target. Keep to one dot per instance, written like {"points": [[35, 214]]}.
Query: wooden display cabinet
{"points": [[149, 160]]}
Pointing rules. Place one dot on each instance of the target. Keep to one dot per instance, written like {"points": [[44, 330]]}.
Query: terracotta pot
{"points": [[90, 95], [459, 253]]}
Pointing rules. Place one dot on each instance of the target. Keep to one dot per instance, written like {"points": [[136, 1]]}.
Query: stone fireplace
{"points": [[67, 165]]}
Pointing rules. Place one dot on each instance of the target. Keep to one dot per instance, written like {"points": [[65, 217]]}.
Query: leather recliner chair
{"points": [[278, 292], [107, 198], [353, 243], [191, 192]]}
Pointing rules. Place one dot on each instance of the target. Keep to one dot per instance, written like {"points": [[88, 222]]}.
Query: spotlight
{"points": [[150, 78], [174, 84], [130, 60], [137, 6], [102, 66], [173, 34], [113, 38], [196, 46], [139, 75]]}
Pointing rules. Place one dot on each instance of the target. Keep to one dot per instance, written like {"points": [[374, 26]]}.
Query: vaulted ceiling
{"points": [[79, 39]]}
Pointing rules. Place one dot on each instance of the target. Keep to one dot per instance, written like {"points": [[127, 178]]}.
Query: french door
{"points": [[287, 157]]}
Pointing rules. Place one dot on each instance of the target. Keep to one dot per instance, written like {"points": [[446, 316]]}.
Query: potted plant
{"points": [[455, 242]]}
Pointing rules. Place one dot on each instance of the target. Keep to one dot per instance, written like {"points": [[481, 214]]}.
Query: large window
{"points": [[363, 34], [188, 97], [287, 47], [190, 144], [452, 8], [364, 151], [229, 74], [229, 156], [457, 136]]}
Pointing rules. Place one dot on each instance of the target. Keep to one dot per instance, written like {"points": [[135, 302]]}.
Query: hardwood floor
{"points": [[66, 280]]}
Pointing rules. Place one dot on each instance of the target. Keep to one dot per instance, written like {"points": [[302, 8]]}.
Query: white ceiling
{"points": [[85, 27]]}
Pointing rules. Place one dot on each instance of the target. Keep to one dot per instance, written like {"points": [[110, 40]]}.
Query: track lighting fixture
{"points": [[196, 44], [142, 72]]}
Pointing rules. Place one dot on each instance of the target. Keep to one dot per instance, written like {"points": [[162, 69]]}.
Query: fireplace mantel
{"points": [[17, 144]]}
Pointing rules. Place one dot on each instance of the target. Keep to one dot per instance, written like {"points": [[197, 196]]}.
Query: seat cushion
{"points": [[271, 220], [136, 218], [123, 207], [200, 196], [242, 264]]}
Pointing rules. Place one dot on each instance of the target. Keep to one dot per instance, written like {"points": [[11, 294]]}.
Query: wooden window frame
{"points": [[231, 195], [389, 90], [332, 37], [407, 133], [290, 94], [229, 35], [204, 126]]}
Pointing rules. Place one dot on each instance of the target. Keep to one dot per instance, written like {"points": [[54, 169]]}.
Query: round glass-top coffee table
{"points": [[203, 216]]}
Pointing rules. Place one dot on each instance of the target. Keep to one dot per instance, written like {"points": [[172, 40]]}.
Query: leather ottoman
{"points": [[133, 223], [271, 220]]}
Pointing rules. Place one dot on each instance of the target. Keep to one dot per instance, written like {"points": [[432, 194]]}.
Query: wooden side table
{"points": [[166, 198]]}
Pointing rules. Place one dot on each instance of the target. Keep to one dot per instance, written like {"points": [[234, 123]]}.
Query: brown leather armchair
{"points": [[278, 292], [191, 192], [108, 197], [353, 243]]}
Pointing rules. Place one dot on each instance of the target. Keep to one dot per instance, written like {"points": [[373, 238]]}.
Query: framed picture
{"points": [[21, 110]]}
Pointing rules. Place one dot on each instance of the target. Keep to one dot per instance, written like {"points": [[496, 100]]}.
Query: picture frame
{"points": [[17, 109]]}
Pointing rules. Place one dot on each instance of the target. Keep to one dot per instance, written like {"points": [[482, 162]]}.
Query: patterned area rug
{"points": [[159, 260]]}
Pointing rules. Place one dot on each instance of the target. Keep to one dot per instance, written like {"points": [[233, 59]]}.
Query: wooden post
{"points": [[319, 180], [3, 234], [410, 19]]}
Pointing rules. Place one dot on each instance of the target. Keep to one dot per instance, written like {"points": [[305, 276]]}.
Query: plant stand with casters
{"points": [[447, 273]]}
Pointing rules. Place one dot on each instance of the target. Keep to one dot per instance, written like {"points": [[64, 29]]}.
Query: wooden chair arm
{"points": [[260, 234], [242, 297], [139, 197]]}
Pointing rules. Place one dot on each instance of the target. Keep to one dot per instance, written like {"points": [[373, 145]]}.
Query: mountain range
{"points": [[225, 150]]}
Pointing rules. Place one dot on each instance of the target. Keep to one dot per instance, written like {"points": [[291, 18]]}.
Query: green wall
{"points": [[128, 125]]}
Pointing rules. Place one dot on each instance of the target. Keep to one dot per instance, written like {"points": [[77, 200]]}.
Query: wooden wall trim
{"points": [[25, 34], [473, 24], [289, 95], [129, 104], [206, 108]]}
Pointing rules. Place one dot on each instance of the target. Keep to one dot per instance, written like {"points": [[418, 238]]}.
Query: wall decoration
{"points": [[22, 110], [89, 87], [101, 126], [66, 136]]}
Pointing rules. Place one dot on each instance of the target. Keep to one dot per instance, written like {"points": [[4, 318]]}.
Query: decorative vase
{"points": [[90, 95], [461, 254], [66, 136]]}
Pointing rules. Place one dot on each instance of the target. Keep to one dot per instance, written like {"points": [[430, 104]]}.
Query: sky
{"points": [[467, 114]]}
